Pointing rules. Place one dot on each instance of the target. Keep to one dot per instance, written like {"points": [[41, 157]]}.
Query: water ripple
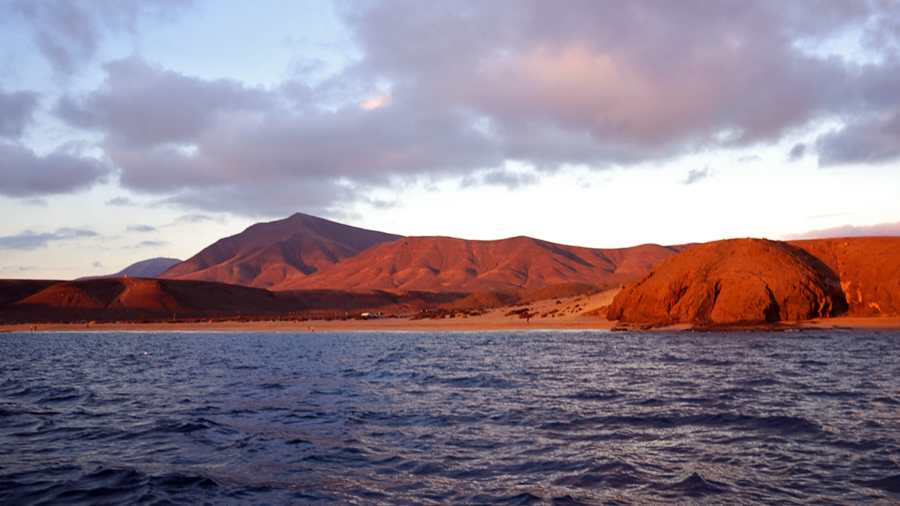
{"points": [[469, 418]]}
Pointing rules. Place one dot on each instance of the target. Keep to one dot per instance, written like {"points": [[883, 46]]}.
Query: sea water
{"points": [[450, 418]]}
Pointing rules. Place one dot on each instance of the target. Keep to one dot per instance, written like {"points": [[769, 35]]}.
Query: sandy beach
{"points": [[555, 314], [481, 323], [567, 313]]}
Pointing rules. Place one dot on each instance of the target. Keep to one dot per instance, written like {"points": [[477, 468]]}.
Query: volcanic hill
{"points": [[143, 269], [746, 281], [131, 298], [449, 264], [278, 253]]}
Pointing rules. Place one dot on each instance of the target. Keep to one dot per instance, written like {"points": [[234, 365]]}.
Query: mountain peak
{"points": [[149, 268], [271, 253]]}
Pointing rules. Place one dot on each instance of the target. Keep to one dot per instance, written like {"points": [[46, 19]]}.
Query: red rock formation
{"points": [[449, 264], [731, 282]]}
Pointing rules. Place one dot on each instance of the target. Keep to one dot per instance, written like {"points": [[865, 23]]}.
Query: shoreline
{"points": [[375, 325], [572, 313], [459, 324]]}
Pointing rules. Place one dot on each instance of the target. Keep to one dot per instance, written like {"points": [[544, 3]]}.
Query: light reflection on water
{"points": [[407, 418]]}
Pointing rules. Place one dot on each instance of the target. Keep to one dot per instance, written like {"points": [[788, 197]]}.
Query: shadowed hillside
{"points": [[14, 290], [132, 299]]}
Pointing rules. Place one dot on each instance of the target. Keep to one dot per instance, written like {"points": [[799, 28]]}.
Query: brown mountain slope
{"points": [[111, 299], [448, 264], [14, 290], [742, 281], [129, 298], [277, 253]]}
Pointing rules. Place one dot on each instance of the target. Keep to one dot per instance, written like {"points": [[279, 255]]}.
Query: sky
{"points": [[135, 129]]}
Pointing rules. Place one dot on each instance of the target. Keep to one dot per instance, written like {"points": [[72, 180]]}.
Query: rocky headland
{"points": [[742, 282]]}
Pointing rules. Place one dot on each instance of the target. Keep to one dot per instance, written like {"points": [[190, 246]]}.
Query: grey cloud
{"points": [[30, 240], [881, 229], [23, 173], [120, 201], [169, 132], [16, 110], [596, 83], [68, 32], [96, 265], [381, 203], [142, 106], [500, 177], [697, 175], [196, 218], [868, 142], [263, 200], [152, 244], [18, 269], [797, 152], [630, 75], [141, 228]]}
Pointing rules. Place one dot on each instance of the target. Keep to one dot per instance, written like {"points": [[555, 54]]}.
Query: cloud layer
{"points": [[30, 240], [68, 32], [16, 111], [26, 174], [881, 229], [461, 88]]}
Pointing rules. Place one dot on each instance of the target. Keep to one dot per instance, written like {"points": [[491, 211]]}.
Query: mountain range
{"points": [[308, 267], [449, 264], [305, 252]]}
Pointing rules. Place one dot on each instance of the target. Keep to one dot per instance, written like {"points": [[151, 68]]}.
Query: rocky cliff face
{"points": [[868, 269], [734, 281]]}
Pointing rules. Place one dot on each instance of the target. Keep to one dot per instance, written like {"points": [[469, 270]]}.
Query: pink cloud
{"points": [[881, 229]]}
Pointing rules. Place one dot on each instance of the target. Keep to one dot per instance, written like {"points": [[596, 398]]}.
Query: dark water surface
{"points": [[467, 418]]}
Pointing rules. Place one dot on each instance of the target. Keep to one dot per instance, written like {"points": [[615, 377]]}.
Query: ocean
{"points": [[538, 417]]}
